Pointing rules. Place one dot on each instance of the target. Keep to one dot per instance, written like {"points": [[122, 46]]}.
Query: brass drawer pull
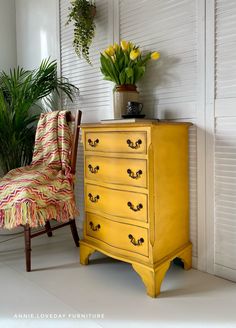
{"points": [[135, 145], [135, 242], [93, 170], [93, 227], [134, 175], [93, 199], [138, 207], [93, 143]]}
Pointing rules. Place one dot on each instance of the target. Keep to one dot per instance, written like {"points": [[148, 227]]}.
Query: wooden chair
{"points": [[75, 119]]}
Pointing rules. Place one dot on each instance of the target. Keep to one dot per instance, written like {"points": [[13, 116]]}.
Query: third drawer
{"points": [[120, 203]]}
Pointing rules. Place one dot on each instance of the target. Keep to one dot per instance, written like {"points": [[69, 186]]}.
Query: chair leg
{"points": [[48, 227], [27, 247], [74, 232]]}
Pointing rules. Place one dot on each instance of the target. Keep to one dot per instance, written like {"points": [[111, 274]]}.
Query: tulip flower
{"points": [[124, 45], [125, 63], [155, 55], [134, 54], [110, 51], [115, 46], [131, 45]]}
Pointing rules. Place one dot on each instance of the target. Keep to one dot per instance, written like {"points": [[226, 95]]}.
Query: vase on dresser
{"points": [[123, 94]]}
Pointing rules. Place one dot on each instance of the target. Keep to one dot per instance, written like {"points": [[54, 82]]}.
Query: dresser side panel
{"points": [[171, 189]]}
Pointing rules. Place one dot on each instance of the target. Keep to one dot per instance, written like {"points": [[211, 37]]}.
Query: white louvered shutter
{"points": [[95, 94], [168, 89], [225, 140]]}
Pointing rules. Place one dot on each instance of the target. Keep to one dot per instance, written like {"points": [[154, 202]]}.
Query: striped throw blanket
{"points": [[43, 190]]}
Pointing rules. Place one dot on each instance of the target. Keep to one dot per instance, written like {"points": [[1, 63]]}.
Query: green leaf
{"points": [[138, 73], [20, 91], [122, 77], [108, 78], [108, 68], [129, 72]]}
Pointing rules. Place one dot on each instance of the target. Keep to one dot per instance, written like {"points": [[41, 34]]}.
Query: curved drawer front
{"points": [[117, 170], [117, 142], [119, 235], [126, 204]]}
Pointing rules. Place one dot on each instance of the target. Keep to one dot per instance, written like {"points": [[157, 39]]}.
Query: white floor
{"points": [[60, 292]]}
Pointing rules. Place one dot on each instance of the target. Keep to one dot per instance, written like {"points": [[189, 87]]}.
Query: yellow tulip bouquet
{"points": [[125, 63]]}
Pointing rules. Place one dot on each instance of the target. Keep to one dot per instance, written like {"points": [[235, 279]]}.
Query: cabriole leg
{"points": [[152, 278], [85, 252]]}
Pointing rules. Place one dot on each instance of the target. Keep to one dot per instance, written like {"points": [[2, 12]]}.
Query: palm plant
{"points": [[20, 90]]}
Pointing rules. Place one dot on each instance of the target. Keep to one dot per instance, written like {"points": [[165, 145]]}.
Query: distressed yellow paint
{"points": [[150, 235], [106, 141], [118, 202]]}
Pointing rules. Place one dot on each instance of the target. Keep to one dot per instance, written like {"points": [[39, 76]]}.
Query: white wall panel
{"points": [[170, 27], [95, 93], [225, 139], [225, 193], [7, 34], [36, 30], [225, 49]]}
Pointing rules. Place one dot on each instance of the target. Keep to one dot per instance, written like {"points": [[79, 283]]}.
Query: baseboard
{"points": [[225, 272]]}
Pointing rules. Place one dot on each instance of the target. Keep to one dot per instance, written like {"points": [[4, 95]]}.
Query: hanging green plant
{"points": [[82, 12]]}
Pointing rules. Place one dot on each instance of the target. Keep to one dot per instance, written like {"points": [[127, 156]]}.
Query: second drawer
{"points": [[117, 170], [126, 204]]}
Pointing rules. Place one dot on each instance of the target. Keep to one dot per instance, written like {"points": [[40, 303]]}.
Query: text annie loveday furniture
{"points": [[136, 196]]}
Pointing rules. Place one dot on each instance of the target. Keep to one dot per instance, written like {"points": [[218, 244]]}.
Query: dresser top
{"points": [[143, 123]]}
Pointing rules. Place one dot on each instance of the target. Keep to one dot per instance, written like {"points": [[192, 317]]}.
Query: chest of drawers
{"points": [[136, 196]]}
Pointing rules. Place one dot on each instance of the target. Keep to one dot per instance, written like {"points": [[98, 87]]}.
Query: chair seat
{"points": [[34, 195]]}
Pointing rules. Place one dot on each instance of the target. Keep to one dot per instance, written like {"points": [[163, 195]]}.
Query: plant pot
{"points": [[91, 13], [123, 94]]}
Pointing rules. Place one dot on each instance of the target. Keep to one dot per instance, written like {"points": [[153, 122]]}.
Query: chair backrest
{"points": [[74, 118]]}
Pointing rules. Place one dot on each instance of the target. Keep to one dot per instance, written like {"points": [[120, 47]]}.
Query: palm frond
{"points": [[20, 91]]}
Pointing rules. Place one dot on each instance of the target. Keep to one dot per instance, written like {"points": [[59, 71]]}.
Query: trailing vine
{"points": [[82, 13]]}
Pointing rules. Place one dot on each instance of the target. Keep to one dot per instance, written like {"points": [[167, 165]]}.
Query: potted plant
{"points": [[82, 12], [20, 90], [125, 65]]}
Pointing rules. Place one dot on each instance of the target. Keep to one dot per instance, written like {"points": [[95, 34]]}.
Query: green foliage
{"points": [[124, 63], [82, 12], [20, 90]]}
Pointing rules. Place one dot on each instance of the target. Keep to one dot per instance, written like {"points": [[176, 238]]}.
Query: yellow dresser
{"points": [[137, 197]]}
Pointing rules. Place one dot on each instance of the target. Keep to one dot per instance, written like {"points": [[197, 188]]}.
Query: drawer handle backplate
{"points": [[93, 143], [135, 242], [133, 208], [93, 170], [93, 227], [134, 145], [134, 175], [93, 199]]}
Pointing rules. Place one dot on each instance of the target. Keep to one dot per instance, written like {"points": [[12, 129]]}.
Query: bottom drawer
{"points": [[119, 235]]}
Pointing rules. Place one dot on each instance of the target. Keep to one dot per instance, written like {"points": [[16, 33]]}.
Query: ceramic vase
{"points": [[123, 94]]}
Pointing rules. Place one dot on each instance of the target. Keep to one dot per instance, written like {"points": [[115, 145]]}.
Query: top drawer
{"points": [[134, 142]]}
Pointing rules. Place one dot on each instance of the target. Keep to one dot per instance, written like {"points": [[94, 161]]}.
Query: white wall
{"points": [[7, 34], [221, 136], [36, 26]]}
